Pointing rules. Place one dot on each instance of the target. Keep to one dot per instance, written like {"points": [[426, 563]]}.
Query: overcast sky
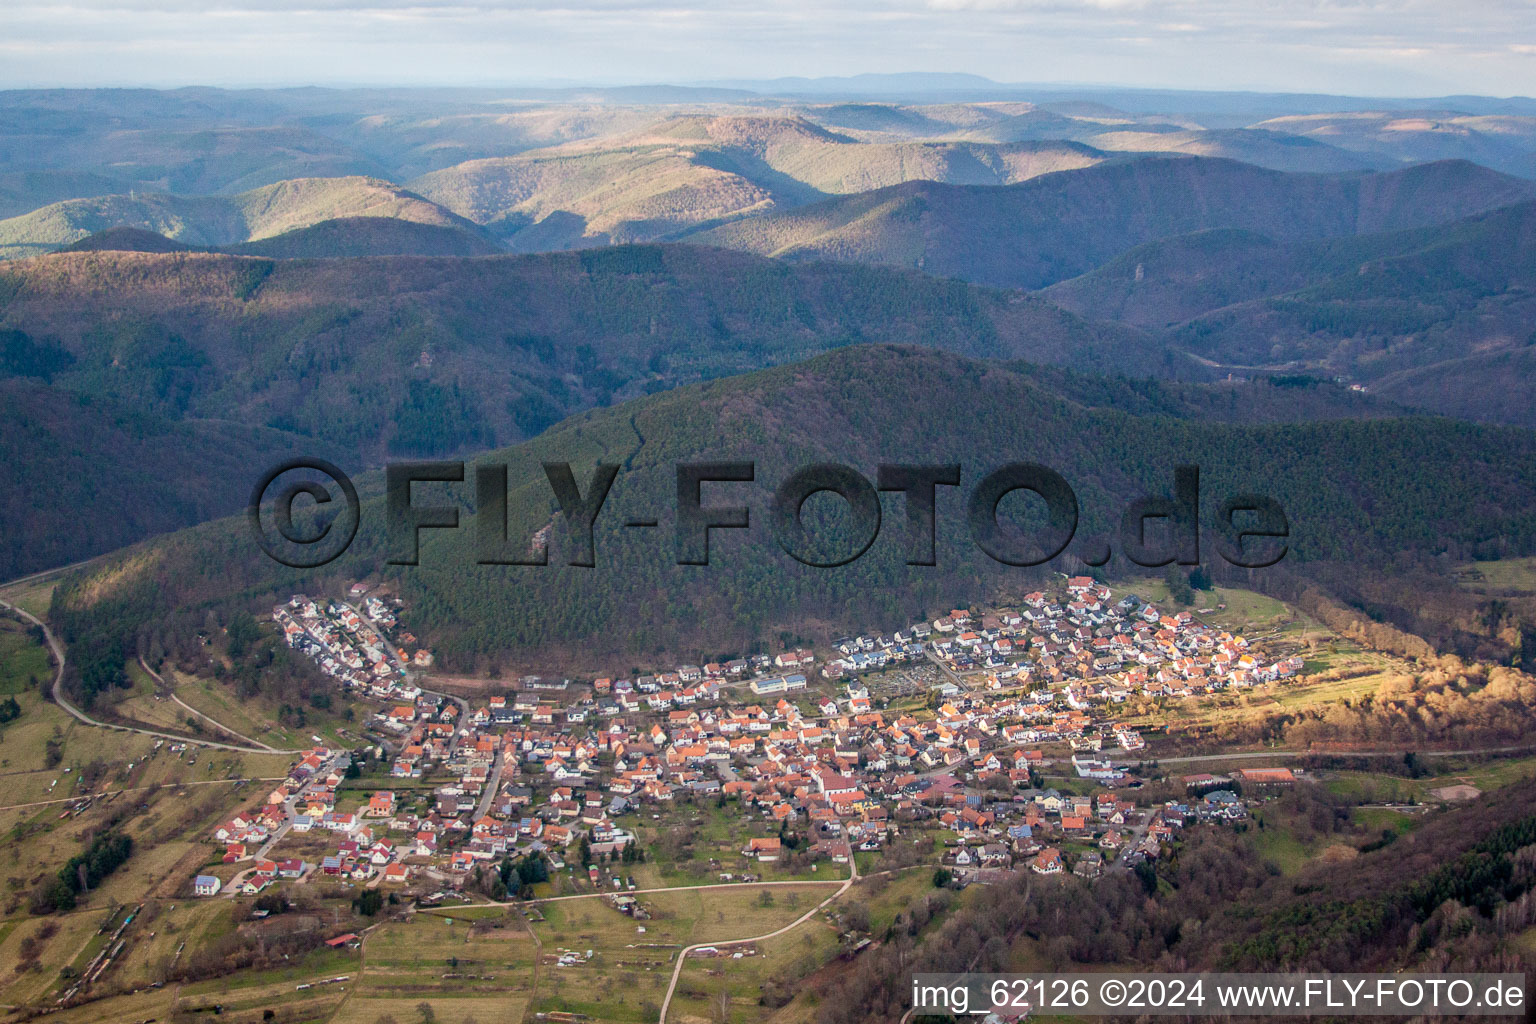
{"points": [[1374, 47]]}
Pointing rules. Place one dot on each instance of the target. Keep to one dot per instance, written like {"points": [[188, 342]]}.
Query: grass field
{"points": [[1506, 576], [258, 718], [694, 843], [790, 959], [24, 663], [1365, 670], [34, 595]]}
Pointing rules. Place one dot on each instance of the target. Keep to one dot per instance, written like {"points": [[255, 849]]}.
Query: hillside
{"points": [[126, 240], [412, 356], [1276, 151], [80, 468], [210, 221], [1058, 226], [1352, 489], [357, 237], [1171, 280], [695, 170], [1441, 319], [1504, 142], [250, 338]]}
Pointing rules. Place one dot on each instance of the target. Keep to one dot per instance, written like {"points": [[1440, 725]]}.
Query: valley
{"points": [[746, 789], [1085, 791]]}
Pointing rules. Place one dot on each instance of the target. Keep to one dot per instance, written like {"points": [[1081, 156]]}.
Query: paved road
{"points": [[406, 673], [491, 782], [63, 701], [18, 581], [944, 668]]}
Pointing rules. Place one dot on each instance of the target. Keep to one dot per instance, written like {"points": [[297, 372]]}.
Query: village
{"points": [[819, 765]]}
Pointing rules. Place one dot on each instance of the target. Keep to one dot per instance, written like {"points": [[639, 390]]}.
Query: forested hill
{"points": [[83, 475], [392, 357], [1438, 318], [353, 350], [1057, 226], [1368, 490]]}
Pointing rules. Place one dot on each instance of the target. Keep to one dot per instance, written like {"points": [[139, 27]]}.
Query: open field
{"points": [[694, 843], [259, 719], [24, 664], [33, 595], [1512, 576], [786, 962], [1363, 673]]}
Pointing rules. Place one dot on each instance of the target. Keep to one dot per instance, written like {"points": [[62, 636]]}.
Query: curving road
{"points": [[63, 701], [171, 693]]}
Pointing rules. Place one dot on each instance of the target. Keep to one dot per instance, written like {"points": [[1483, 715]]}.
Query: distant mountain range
{"points": [[229, 221], [534, 163], [272, 269], [1401, 282], [1061, 225]]}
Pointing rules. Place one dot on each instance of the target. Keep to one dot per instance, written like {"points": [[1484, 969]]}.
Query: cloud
{"points": [[1361, 46]]}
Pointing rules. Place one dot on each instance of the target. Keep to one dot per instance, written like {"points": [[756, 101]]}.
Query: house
{"points": [[1047, 862], [1089, 864], [206, 885], [764, 849]]}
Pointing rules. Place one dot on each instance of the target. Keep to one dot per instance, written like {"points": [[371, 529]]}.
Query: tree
{"points": [[942, 877], [856, 918], [369, 902], [428, 1015], [1179, 590]]}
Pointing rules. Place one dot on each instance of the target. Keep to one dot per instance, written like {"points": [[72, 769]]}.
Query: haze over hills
{"points": [[1504, 142], [1352, 488], [575, 167]]}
